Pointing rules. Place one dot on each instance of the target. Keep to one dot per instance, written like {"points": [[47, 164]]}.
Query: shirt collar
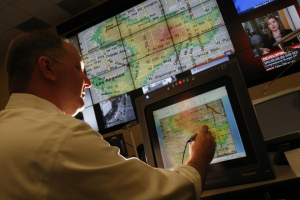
{"points": [[23, 100]]}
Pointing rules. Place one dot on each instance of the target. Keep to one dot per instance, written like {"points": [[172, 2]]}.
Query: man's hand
{"points": [[202, 151]]}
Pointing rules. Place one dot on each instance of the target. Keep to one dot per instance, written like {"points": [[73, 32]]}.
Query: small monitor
{"points": [[218, 98], [186, 117], [116, 111]]}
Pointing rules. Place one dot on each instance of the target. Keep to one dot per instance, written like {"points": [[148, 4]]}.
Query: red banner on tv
{"points": [[280, 58]]}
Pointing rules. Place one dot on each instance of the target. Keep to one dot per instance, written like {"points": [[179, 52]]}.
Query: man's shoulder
{"points": [[38, 116], [66, 120]]}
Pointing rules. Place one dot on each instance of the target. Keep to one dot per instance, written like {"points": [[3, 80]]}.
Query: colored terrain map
{"points": [[151, 42], [177, 129]]}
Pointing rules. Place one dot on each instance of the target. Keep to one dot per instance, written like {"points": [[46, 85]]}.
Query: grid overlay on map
{"points": [[151, 42]]}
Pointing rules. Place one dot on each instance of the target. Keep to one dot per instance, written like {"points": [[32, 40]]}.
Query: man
{"points": [[45, 153]]}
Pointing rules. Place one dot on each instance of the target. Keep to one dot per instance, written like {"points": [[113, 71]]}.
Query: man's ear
{"points": [[46, 65]]}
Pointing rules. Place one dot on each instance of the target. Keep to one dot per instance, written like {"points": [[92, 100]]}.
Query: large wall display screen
{"points": [[151, 42]]}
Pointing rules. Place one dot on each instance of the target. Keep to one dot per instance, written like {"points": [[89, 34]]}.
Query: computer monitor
{"points": [[262, 40], [244, 7], [279, 116], [218, 98], [118, 110]]}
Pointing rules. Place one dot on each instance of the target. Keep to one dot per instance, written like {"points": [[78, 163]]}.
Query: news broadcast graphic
{"points": [[264, 31], [280, 58]]}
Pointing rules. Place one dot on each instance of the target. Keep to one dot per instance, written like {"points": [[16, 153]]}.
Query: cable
{"points": [[184, 150], [190, 140]]}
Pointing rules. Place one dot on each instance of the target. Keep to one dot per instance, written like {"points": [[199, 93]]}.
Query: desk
{"points": [[286, 181]]}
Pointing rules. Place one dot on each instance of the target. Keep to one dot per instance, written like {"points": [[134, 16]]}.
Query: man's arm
{"points": [[202, 150], [86, 167]]}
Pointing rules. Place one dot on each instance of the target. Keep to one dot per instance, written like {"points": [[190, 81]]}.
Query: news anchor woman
{"points": [[276, 31]]}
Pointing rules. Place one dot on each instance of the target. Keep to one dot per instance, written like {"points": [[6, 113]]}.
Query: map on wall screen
{"points": [[151, 42]]}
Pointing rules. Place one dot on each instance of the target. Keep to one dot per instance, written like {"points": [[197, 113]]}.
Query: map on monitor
{"points": [[176, 123], [151, 42]]}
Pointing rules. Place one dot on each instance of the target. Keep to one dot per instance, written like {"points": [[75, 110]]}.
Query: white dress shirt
{"points": [[45, 154]]}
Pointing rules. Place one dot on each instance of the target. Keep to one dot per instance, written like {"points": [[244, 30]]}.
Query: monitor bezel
{"points": [[250, 158]]}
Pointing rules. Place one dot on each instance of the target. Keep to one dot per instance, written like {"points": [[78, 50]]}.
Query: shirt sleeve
{"points": [[191, 174], [86, 167]]}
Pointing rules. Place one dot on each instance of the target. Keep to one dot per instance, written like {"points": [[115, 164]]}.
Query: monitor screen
{"points": [[89, 117], [243, 6], [151, 42], [242, 27], [266, 30], [219, 99], [176, 123], [117, 111]]}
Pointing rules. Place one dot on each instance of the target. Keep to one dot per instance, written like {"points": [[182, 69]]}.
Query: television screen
{"points": [[243, 6], [151, 42], [264, 31], [218, 98], [117, 111]]}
